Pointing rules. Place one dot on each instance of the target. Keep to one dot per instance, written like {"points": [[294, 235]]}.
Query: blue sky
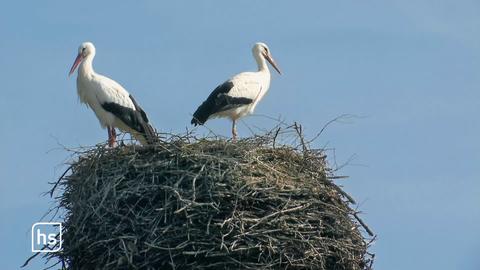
{"points": [[408, 69]]}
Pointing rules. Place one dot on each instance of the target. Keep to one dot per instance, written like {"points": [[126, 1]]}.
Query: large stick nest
{"points": [[191, 203]]}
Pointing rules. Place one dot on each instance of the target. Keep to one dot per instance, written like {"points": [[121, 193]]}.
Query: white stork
{"points": [[112, 104], [239, 95]]}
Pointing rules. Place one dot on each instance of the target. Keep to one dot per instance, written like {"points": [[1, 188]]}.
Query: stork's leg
{"points": [[114, 135], [234, 130], [111, 136]]}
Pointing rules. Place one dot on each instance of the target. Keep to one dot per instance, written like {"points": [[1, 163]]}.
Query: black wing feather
{"points": [[135, 119], [139, 109], [149, 131], [218, 101]]}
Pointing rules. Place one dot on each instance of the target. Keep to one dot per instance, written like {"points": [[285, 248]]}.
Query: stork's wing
{"points": [[246, 85], [132, 118], [229, 95], [112, 92], [117, 101]]}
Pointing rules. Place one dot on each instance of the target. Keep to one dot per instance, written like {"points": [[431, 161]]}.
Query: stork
{"points": [[238, 96], [111, 103]]}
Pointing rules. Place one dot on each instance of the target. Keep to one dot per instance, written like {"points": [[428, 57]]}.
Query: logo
{"points": [[46, 237]]}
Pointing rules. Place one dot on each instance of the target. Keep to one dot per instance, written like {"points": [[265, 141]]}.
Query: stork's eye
{"points": [[265, 50], [83, 49]]}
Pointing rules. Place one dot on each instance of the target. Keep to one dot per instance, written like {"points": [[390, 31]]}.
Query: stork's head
{"points": [[261, 50], [85, 50]]}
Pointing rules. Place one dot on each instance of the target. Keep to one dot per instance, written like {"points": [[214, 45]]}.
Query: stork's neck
{"points": [[86, 67], [261, 63]]}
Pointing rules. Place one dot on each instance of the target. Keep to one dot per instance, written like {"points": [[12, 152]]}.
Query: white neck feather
{"points": [[86, 67], [261, 63]]}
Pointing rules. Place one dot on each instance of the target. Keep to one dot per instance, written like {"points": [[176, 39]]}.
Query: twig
{"points": [[367, 229], [59, 179]]}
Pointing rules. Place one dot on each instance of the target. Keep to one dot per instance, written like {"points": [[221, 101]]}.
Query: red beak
{"points": [[77, 62]]}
